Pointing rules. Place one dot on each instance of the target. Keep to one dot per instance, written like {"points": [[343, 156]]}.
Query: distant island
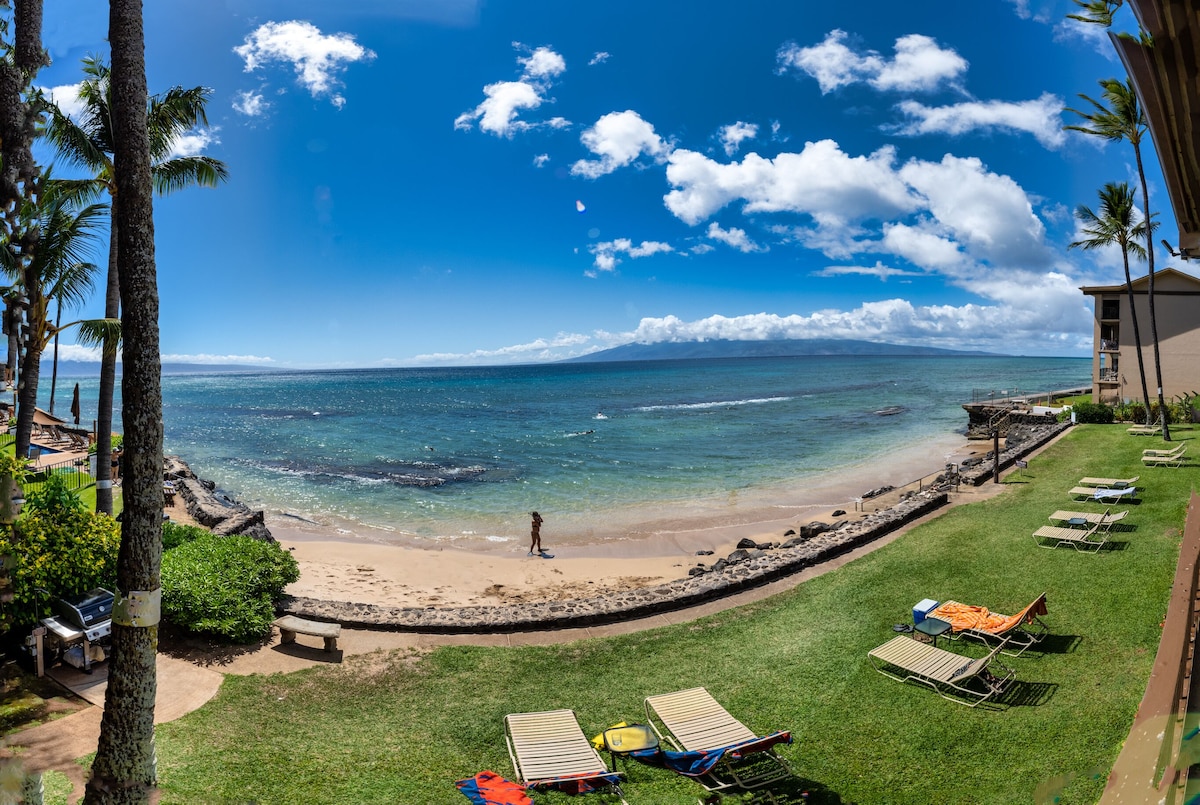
{"points": [[783, 348], [92, 369]]}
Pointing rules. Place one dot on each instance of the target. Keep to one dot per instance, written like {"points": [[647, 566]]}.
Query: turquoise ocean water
{"points": [[466, 453]]}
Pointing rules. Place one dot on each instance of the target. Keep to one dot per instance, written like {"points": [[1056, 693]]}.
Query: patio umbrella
{"points": [[75, 404]]}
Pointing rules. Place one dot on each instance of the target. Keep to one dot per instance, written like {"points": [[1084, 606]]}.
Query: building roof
{"points": [[1173, 276], [1165, 76]]}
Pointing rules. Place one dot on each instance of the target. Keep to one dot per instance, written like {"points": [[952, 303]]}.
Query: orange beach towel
{"points": [[965, 616]]}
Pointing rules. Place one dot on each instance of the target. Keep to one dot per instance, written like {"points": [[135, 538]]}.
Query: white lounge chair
{"points": [[1103, 493], [1049, 536], [1112, 483], [1085, 519], [1016, 632], [1158, 451], [549, 749], [693, 721], [955, 677], [1172, 460]]}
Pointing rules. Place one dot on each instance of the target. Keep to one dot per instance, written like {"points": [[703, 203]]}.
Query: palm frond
{"points": [[181, 172], [96, 332]]}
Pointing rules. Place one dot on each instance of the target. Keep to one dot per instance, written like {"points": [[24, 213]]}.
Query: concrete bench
{"points": [[290, 626]]}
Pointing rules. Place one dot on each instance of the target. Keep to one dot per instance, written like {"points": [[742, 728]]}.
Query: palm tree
{"points": [[89, 143], [1119, 117], [1097, 12], [1116, 225], [123, 769], [47, 268]]}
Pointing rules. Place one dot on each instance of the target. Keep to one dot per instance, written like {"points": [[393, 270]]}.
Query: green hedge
{"points": [[225, 586]]}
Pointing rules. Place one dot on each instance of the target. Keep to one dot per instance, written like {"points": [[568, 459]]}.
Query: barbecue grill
{"points": [[74, 635]]}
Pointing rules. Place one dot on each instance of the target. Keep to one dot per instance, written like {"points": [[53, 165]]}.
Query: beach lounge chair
{"points": [[1157, 451], [955, 677], [1144, 430], [693, 721], [1102, 493], [1015, 632], [1112, 483], [1049, 536], [549, 750], [1172, 460], [1085, 519]]}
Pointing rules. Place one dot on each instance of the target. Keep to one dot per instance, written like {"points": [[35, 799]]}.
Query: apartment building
{"points": [[1114, 353]]}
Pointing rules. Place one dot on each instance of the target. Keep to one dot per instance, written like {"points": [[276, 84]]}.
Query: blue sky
{"points": [[452, 182]]}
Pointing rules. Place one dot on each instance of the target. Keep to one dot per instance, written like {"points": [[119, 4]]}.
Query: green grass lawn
{"points": [[400, 729]]}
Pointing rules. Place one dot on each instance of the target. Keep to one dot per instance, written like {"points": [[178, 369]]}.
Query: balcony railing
{"points": [[1109, 346], [1110, 377]]}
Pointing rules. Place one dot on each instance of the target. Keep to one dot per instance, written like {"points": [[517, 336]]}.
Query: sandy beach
{"points": [[340, 566]]}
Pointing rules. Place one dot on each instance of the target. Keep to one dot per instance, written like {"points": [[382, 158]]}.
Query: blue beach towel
{"points": [[699, 763]]}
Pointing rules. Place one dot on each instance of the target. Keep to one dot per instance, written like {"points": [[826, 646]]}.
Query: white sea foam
{"points": [[717, 404]]}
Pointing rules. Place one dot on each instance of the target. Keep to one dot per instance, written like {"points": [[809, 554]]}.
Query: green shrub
{"points": [[61, 550], [176, 534], [225, 586], [1130, 412], [1088, 413]]}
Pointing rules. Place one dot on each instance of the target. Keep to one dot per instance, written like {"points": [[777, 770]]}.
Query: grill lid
{"points": [[87, 609]]}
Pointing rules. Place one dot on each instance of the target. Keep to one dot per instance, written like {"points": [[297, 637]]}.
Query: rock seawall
{"points": [[222, 515], [743, 569]]}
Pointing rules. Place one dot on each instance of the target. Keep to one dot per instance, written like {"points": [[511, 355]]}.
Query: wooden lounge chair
{"points": [[1173, 460], [1015, 632], [693, 721], [1104, 520], [955, 677], [549, 749], [1158, 451], [1049, 536], [1112, 483], [1102, 494]]}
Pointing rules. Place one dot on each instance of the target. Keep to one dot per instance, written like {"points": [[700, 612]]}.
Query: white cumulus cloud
{"points": [[504, 101], [66, 98], [618, 138], [919, 64], [250, 103], [731, 136], [316, 58], [1042, 118], [733, 237], [194, 142], [608, 254]]}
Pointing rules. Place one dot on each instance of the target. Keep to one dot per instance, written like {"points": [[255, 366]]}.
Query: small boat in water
{"points": [[891, 410]]}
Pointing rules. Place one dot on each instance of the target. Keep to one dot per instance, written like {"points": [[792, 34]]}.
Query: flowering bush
{"points": [[59, 548]]}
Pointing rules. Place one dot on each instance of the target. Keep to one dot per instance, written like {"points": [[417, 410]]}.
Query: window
{"points": [[1110, 309]]}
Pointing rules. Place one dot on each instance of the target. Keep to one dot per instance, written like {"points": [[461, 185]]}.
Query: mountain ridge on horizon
{"points": [[777, 348]]}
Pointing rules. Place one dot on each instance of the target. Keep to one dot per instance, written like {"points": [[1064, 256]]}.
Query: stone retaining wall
{"points": [[1031, 437], [745, 568]]}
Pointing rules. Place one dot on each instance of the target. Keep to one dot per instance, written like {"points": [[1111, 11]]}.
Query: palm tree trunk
{"points": [[27, 389], [1162, 404], [54, 367], [108, 376], [123, 770]]}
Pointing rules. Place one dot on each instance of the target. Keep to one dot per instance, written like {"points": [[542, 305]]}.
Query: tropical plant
{"points": [[61, 549], [1116, 225], [49, 265], [1119, 117], [225, 586], [88, 142], [176, 534], [1089, 413]]}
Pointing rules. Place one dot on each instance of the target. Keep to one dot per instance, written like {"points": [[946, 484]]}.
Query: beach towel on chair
{"points": [[489, 788], [699, 763], [583, 783]]}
